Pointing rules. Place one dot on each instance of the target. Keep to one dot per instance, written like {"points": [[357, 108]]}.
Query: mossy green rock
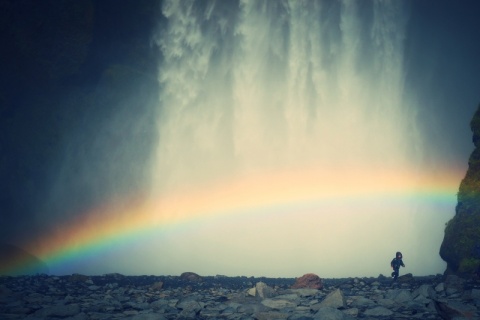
{"points": [[461, 244]]}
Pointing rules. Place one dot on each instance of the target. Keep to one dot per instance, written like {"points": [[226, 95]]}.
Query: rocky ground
{"points": [[191, 296]]}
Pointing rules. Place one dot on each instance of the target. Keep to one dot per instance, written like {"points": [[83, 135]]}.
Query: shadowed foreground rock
{"points": [[115, 296]]}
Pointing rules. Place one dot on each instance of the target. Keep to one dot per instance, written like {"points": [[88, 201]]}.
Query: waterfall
{"points": [[259, 85], [296, 111]]}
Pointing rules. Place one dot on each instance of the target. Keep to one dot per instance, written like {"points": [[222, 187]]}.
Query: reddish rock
{"points": [[309, 280], [191, 276]]}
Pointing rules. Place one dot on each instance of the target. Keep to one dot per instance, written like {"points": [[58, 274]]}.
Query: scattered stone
{"points": [[113, 296]]}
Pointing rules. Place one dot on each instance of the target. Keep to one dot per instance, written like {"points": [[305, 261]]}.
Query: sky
{"points": [[291, 137]]}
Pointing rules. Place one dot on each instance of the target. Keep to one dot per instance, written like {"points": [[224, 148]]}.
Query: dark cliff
{"points": [[69, 68], [461, 244]]}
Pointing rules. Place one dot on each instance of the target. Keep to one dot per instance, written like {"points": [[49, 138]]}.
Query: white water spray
{"points": [[255, 87], [270, 84]]}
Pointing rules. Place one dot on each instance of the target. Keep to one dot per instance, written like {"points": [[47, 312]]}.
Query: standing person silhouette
{"points": [[395, 264]]}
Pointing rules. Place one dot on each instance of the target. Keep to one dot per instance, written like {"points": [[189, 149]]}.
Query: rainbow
{"points": [[123, 221]]}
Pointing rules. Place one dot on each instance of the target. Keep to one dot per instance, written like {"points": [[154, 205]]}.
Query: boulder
{"points": [[334, 299], [451, 309], [425, 291], [191, 276], [399, 295], [189, 305], [262, 291], [308, 280], [405, 278]]}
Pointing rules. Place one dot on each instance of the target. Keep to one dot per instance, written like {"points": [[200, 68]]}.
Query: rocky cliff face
{"points": [[71, 72], [461, 244]]}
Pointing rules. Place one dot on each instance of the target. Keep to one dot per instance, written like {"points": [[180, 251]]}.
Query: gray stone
{"points": [[305, 292], [399, 295], [251, 308], [297, 316], [58, 311], [288, 296], [329, 313], [362, 302], [387, 303], [448, 309], [334, 299], [270, 315], [475, 294], [262, 290], [44, 297], [426, 291], [189, 305], [352, 312], [378, 312], [147, 316], [278, 303], [440, 287]]}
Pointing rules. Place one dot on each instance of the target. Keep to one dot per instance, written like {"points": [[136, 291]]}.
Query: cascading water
{"points": [[274, 84], [300, 106]]}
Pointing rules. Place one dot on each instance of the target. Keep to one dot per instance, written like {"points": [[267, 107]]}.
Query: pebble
{"points": [[114, 296]]}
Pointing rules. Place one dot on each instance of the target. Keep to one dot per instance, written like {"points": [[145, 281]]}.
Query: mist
{"points": [[269, 138], [313, 88]]}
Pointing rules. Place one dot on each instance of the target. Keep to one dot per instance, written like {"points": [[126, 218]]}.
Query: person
{"points": [[395, 264]]}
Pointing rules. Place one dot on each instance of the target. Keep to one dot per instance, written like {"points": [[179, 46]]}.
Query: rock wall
{"points": [[461, 244], [72, 71]]}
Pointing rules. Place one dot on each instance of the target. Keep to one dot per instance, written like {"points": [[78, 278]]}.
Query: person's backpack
{"points": [[394, 263]]}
